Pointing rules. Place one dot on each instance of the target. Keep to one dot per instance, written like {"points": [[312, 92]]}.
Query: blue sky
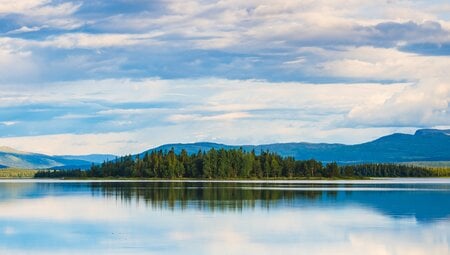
{"points": [[81, 77]]}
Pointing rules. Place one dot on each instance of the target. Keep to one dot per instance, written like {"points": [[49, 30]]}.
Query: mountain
{"points": [[93, 158], [7, 149], [424, 145], [10, 157]]}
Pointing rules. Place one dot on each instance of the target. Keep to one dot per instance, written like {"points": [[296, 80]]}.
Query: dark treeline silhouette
{"points": [[233, 163]]}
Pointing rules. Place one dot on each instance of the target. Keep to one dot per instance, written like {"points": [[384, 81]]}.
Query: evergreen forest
{"points": [[232, 164]]}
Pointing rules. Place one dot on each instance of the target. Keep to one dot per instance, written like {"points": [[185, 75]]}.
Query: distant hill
{"points": [[10, 157], [94, 158], [7, 149], [82, 161], [424, 145]]}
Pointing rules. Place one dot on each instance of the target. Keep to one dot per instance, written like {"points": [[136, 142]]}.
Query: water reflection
{"points": [[426, 202], [224, 218], [203, 196]]}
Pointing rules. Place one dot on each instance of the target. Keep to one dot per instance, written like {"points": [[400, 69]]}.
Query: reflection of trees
{"points": [[427, 202], [15, 190], [203, 195]]}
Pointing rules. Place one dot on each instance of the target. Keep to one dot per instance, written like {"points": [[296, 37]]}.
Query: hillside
{"points": [[12, 158], [424, 145]]}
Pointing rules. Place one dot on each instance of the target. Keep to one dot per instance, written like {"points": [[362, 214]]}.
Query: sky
{"points": [[122, 76]]}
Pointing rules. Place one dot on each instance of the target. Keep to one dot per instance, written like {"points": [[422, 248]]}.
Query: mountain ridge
{"points": [[423, 145], [12, 158]]}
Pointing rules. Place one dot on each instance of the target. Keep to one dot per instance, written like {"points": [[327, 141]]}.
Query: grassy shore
{"points": [[17, 173], [440, 168], [429, 164], [441, 171]]}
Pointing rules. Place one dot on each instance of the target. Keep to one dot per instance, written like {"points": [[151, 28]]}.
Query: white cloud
{"points": [[239, 26], [110, 90], [24, 29], [8, 123], [216, 117], [16, 64], [150, 112], [257, 39], [89, 41], [43, 12], [383, 64], [20, 6], [37, 7], [426, 102], [61, 144], [253, 25]]}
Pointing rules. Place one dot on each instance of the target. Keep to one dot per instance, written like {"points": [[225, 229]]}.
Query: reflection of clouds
{"points": [[317, 233], [9, 231], [61, 209], [107, 226], [15, 190], [401, 243]]}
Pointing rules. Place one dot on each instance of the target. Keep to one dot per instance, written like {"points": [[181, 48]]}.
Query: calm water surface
{"points": [[391, 216]]}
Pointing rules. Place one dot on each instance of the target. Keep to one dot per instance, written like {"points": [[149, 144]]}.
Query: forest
{"points": [[232, 164]]}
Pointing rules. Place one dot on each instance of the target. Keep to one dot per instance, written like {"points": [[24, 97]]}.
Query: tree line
{"points": [[232, 163]]}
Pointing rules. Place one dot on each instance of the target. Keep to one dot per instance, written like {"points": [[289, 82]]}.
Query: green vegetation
{"points": [[430, 164], [440, 171], [438, 168], [17, 173], [235, 164]]}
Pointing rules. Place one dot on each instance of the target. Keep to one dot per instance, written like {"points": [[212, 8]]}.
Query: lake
{"points": [[386, 216]]}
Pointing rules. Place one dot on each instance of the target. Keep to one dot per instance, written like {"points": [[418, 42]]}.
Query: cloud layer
{"points": [[226, 71]]}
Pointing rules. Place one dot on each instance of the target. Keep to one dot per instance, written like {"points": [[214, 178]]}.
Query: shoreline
{"points": [[377, 180]]}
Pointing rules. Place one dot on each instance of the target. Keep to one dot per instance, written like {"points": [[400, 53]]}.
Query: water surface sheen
{"points": [[389, 216]]}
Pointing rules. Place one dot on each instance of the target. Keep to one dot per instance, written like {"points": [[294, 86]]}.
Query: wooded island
{"points": [[234, 164]]}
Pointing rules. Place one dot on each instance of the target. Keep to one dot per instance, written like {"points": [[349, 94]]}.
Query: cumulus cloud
{"points": [[383, 64], [121, 116], [16, 64], [37, 7], [42, 12], [267, 24], [284, 70], [267, 39], [424, 104]]}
